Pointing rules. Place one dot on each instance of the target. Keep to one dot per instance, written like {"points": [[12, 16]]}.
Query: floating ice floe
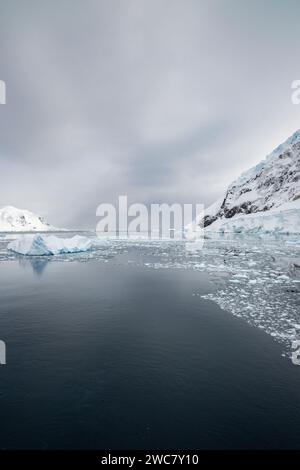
{"points": [[45, 245], [254, 278]]}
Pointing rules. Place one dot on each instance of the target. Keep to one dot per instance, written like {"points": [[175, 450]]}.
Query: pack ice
{"points": [[45, 245]]}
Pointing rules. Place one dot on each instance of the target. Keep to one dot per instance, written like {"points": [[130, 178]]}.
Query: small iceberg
{"points": [[46, 245]]}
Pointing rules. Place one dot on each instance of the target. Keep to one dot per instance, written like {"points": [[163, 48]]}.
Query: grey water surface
{"points": [[149, 345]]}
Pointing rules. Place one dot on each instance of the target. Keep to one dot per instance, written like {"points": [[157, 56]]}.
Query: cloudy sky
{"points": [[162, 100]]}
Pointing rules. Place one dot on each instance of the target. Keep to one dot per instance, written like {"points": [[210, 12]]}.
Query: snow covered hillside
{"points": [[18, 220], [265, 198]]}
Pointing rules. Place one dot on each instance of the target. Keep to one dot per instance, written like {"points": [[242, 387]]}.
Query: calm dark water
{"points": [[112, 355]]}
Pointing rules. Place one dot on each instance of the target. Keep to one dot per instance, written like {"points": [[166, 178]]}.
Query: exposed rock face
{"points": [[272, 183]]}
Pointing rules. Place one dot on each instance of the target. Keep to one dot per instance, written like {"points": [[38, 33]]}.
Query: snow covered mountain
{"points": [[265, 198], [18, 220]]}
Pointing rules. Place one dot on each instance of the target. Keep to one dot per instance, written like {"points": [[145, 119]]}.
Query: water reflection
{"points": [[36, 263]]}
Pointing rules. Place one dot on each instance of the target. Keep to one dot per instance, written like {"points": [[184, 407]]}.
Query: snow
{"points": [[283, 220], [209, 211], [286, 147], [43, 245], [215, 207], [264, 199], [21, 220]]}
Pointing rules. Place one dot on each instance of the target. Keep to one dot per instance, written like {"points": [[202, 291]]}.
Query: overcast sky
{"points": [[162, 100]]}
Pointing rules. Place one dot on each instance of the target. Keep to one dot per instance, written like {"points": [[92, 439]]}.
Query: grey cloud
{"points": [[155, 99]]}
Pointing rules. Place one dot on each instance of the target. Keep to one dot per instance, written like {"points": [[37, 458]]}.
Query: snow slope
{"points": [[45, 245], [264, 198], [18, 220]]}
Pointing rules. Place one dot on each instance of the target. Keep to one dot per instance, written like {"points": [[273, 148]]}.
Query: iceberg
{"points": [[43, 245]]}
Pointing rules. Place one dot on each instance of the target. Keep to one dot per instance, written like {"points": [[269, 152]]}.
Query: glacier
{"points": [[264, 199], [284, 220], [48, 245]]}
